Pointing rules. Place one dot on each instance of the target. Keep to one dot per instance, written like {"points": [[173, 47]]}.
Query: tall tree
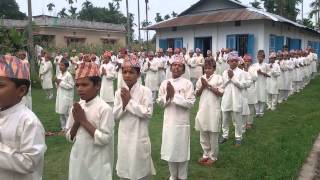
{"points": [[285, 8], [315, 11], [306, 22], [158, 18], [166, 17], [63, 13], [9, 9], [50, 7], [87, 4], [174, 14], [256, 4], [73, 12]]}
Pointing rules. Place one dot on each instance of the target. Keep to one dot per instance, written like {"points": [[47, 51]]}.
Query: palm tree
{"points": [[256, 4], [63, 13], [50, 7], [315, 11], [87, 4], [73, 12]]}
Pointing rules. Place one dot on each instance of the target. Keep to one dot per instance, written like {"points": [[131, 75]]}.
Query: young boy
{"points": [[64, 99], [108, 74], [231, 103], [90, 128], [176, 95], [152, 78], [261, 83], [208, 120], [22, 139], [46, 76], [133, 109], [272, 82]]}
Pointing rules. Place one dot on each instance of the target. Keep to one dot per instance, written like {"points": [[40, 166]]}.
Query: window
{"points": [[75, 42], [243, 43], [171, 43]]}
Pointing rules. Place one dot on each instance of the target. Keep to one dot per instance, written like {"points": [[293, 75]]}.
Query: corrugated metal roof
{"points": [[227, 15]]}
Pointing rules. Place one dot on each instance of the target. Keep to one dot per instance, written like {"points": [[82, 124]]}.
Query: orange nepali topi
{"points": [[87, 69], [13, 67]]}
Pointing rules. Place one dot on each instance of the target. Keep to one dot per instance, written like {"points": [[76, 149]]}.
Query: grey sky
{"points": [[162, 6]]}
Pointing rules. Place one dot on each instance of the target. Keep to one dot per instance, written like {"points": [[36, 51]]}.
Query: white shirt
{"points": [[64, 99], [92, 157], [107, 89], [22, 144], [175, 145]]}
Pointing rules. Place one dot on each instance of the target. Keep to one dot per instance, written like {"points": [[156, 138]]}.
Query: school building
{"points": [[216, 24]]}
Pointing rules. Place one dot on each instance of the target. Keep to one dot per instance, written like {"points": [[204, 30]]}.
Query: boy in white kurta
{"points": [[150, 68], [22, 137], [261, 83], [177, 97], [208, 120], [191, 62], [199, 61], [133, 109], [64, 99], [272, 82], [251, 90], [108, 74], [45, 72], [90, 128], [231, 103]]}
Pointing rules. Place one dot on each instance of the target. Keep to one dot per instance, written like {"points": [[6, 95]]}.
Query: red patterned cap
{"points": [[87, 69], [12, 67]]}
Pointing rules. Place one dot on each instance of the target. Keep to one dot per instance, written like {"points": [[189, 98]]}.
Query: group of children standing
{"points": [[230, 87]]}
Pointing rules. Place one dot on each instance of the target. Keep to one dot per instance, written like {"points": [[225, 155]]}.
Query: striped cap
{"points": [[87, 69], [132, 61], [12, 67]]}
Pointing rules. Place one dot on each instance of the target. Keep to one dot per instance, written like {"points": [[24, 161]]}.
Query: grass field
{"points": [[275, 149]]}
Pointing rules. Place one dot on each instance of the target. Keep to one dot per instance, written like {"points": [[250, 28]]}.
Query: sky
{"points": [[163, 7]]}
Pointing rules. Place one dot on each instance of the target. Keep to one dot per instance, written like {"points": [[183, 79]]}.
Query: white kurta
{"points": [[261, 83], [57, 61], [161, 71], [22, 144], [281, 78], [72, 64], [244, 92], [272, 81], [152, 78], [120, 81], [46, 75], [199, 61], [134, 146], [191, 62], [252, 90], [107, 89], [168, 66], [91, 158], [186, 74], [175, 145], [209, 113], [232, 98], [221, 65], [64, 99]]}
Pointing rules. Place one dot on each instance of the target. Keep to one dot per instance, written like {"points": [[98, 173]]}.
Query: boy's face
{"points": [[10, 94], [86, 89], [208, 70], [62, 67], [272, 60], [177, 70], [233, 63], [261, 57], [130, 75], [247, 62]]}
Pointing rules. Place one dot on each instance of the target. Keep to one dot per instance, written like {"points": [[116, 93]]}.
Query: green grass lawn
{"points": [[275, 149]]}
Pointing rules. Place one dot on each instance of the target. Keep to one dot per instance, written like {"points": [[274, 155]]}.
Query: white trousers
{"points": [[226, 117], [178, 170], [154, 96], [260, 108], [272, 101], [210, 145], [144, 178], [63, 121], [249, 118]]}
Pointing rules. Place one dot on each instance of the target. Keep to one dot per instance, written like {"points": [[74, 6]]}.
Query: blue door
{"points": [[231, 41], [163, 43], [178, 43], [250, 46], [279, 43]]}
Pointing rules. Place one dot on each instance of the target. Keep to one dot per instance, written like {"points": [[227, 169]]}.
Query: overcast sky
{"points": [[162, 6]]}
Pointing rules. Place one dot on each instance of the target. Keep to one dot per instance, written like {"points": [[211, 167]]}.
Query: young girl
{"points": [[90, 128], [46, 71], [133, 109], [22, 139], [177, 97], [108, 74], [208, 120], [65, 92]]}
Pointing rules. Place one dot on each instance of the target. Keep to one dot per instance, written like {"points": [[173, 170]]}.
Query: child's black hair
{"points": [[137, 69], [96, 80], [21, 82], [65, 62], [211, 62], [184, 67]]}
